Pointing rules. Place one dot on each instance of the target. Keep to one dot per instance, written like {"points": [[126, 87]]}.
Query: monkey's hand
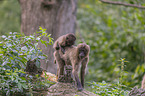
{"points": [[57, 47], [62, 50]]}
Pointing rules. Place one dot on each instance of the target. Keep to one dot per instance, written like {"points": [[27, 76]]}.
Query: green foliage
{"points": [[115, 89], [122, 65], [107, 89], [15, 50], [113, 32]]}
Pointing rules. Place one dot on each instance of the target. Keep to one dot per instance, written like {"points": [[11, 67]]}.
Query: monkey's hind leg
{"points": [[75, 75]]}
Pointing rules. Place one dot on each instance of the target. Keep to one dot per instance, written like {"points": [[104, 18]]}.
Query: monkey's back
{"points": [[70, 55]]}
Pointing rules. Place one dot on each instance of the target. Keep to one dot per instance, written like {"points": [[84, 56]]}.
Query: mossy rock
{"points": [[67, 89]]}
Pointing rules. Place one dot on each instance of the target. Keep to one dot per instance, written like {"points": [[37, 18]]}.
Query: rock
{"points": [[67, 89], [66, 86], [137, 92]]}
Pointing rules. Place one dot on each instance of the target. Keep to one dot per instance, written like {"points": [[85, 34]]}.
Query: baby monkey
{"points": [[62, 43]]}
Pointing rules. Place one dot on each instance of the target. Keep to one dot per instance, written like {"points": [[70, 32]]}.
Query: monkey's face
{"points": [[70, 39], [83, 50]]}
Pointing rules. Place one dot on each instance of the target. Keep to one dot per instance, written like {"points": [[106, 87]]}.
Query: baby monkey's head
{"points": [[70, 39]]}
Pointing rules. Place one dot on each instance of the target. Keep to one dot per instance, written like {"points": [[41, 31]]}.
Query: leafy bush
{"points": [[107, 89], [114, 89], [15, 50]]}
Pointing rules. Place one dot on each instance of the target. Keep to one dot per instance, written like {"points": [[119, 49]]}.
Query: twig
{"points": [[80, 34], [123, 4]]}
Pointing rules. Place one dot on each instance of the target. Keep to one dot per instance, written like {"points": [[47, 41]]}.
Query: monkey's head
{"points": [[83, 50], [70, 39]]}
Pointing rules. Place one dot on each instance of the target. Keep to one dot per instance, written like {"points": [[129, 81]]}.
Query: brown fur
{"points": [[143, 83], [62, 43], [75, 56]]}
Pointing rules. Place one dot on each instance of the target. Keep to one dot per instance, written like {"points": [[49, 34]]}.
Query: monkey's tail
{"points": [[143, 83]]}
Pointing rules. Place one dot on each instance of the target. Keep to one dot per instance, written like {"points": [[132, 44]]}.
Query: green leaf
{"points": [[49, 35], [19, 85], [3, 36], [41, 57], [38, 63], [4, 63], [8, 93], [24, 85], [38, 38], [40, 28], [24, 48], [8, 44]]}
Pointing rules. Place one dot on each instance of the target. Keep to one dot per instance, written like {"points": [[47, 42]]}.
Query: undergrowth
{"points": [[15, 50], [111, 89]]}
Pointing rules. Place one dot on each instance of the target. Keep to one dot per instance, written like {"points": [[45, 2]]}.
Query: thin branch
{"points": [[78, 27], [81, 36], [123, 4]]}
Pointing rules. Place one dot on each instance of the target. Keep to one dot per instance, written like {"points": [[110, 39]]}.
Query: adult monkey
{"points": [[75, 56], [62, 43]]}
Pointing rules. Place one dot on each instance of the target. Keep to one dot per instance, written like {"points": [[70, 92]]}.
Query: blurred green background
{"points": [[9, 16], [112, 31]]}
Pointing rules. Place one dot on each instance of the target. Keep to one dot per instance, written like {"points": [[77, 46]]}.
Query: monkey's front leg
{"points": [[75, 75], [60, 72], [60, 65], [82, 74], [61, 68]]}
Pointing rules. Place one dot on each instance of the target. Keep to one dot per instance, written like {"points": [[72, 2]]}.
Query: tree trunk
{"points": [[57, 16]]}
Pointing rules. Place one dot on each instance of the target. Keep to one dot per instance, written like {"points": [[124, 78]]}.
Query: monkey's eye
{"points": [[81, 49], [67, 38]]}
